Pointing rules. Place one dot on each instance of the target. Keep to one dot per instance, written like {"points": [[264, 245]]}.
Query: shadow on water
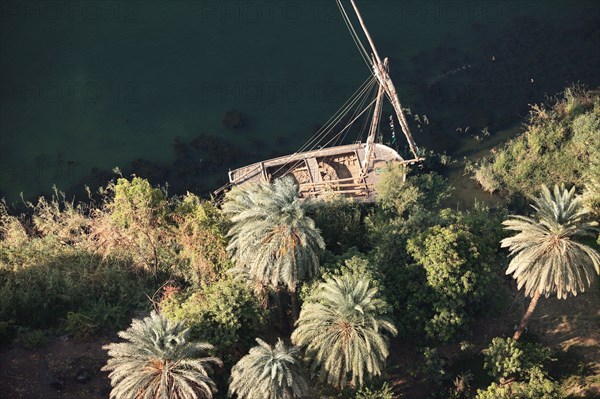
{"points": [[472, 77]]}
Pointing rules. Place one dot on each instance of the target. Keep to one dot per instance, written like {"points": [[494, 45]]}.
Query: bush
{"points": [[34, 339], [560, 145], [94, 260], [538, 386], [140, 224], [401, 195], [42, 280], [341, 224], [434, 367], [385, 392], [506, 357], [522, 365], [226, 313], [503, 358], [80, 326], [438, 267], [7, 332], [458, 274]]}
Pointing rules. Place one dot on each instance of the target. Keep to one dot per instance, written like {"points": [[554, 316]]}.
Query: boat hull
{"points": [[324, 173]]}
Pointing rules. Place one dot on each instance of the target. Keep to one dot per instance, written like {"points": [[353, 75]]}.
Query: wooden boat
{"points": [[350, 170]]}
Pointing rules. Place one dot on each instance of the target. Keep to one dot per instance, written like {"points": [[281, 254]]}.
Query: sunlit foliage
{"points": [[269, 372], [157, 360], [343, 329]]}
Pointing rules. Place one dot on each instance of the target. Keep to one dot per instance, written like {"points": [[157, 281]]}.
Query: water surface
{"points": [[87, 86]]}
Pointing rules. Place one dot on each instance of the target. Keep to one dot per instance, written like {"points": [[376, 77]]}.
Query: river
{"points": [[86, 86]]}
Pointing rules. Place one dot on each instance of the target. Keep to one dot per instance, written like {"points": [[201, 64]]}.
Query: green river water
{"points": [[89, 85]]}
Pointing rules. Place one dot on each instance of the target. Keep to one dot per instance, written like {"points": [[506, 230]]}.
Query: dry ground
{"points": [[68, 370], [571, 326], [63, 370]]}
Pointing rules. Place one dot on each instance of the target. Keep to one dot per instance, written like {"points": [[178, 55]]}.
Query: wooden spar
{"points": [[362, 23], [357, 191], [332, 185], [384, 79], [391, 91], [374, 127], [362, 161], [346, 179]]}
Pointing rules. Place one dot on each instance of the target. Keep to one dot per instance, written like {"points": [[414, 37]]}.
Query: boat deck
{"points": [[324, 173]]}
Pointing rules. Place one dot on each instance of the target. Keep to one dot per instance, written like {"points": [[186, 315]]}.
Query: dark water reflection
{"points": [[86, 86]]}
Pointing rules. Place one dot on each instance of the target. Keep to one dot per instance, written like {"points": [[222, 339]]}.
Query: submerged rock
{"points": [[234, 120]]}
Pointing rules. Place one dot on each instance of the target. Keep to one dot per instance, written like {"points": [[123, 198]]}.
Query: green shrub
{"points": [[560, 145], [434, 367], [101, 260], [80, 326], [504, 358], [34, 339], [401, 195], [456, 272], [384, 392], [42, 280], [341, 224], [538, 386], [226, 313], [438, 268]]}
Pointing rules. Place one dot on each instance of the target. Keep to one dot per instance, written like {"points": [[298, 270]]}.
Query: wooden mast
{"points": [[374, 126], [386, 82]]}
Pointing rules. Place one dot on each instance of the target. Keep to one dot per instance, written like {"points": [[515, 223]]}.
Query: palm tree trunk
{"points": [[282, 309], [295, 307], [527, 316]]}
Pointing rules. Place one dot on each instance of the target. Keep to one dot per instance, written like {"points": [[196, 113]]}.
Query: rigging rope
{"points": [[334, 120], [360, 106], [353, 120], [322, 134], [361, 49]]}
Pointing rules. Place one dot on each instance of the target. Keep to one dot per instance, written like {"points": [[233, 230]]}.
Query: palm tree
{"points": [[272, 239], [342, 328], [159, 361], [269, 373], [546, 258]]}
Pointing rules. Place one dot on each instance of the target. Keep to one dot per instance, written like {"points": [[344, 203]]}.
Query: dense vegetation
{"points": [[560, 145], [329, 290]]}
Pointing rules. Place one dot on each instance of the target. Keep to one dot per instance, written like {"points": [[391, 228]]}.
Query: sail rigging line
{"points": [[362, 130], [312, 143], [353, 120], [323, 132], [295, 164], [383, 76], [358, 99], [360, 106], [361, 48], [343, 111], [334, 120]]}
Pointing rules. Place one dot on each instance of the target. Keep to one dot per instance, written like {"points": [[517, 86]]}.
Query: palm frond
{"points": [[546, 256], [271, 237], [343, 331], [157, 360], [269, 372]]}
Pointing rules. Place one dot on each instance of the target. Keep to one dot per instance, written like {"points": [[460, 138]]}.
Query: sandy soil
{"points": [[63, 369], [66, 369]]}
